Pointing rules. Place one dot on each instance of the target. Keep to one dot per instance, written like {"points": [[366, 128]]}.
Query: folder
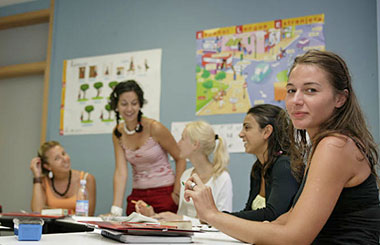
{"points": [[128, 238]]}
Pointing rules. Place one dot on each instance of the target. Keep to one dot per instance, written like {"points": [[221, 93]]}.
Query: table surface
{"points": [[95, 238]]}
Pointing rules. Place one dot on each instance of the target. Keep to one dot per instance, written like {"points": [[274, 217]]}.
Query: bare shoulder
{"points": [[338, 145], [90, 177], [340, 154], [334, 144], [75, 173], [157, 128], [118, 126]]}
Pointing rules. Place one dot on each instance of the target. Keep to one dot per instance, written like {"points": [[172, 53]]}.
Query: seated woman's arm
{"points": [[38, 197], [332, 167]]}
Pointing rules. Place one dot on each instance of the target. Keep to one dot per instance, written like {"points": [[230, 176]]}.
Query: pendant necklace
{"points": [[130, 132], [67, 188]]}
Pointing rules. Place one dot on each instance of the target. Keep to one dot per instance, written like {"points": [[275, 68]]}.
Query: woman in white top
{"points": [[198, 142]]}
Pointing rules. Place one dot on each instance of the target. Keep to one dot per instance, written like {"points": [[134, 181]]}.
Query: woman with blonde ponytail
{"points": [[198, 143]]}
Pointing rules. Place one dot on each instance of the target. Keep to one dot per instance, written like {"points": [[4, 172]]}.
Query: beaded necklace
{"points": [[67, 188]]}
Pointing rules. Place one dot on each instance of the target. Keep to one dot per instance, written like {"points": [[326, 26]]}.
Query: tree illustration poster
{"points": [[240, 66], [88, 82]]}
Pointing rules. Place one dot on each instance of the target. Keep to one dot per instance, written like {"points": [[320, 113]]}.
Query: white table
{"points": [[94, 238]]}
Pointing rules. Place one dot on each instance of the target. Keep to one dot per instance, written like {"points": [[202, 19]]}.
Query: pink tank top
{"points": [[150, 165]]}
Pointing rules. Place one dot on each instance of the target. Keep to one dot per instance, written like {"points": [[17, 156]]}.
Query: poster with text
{"points": [[88, 82], [240, 66]]}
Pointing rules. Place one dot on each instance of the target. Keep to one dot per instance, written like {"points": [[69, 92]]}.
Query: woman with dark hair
{"points": [[145, 144], [274, 182], [55, 183], [338, 200]]}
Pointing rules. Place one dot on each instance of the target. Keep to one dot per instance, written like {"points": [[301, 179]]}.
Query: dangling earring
{"points": [[50, 175]]}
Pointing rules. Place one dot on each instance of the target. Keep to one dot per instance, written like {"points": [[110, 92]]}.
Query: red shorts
{"points": [[159, 198]]}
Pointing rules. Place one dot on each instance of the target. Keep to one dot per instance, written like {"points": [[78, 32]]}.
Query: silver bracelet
{"points": [[117, 211]]}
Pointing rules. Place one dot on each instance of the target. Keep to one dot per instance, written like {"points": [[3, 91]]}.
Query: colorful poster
{"points": [[240, 66], [88, 82]]}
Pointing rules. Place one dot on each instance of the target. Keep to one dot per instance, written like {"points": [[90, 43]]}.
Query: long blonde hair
{"points": [[202, 132]]}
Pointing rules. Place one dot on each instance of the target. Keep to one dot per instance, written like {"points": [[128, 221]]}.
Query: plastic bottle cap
{"points": [[83, 182]]}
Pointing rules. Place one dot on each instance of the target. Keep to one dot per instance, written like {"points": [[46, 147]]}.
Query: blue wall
{"points": [[97, 27]]}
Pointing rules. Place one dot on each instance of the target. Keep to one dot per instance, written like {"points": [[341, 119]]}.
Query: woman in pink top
{"points": [[144, 143], [55, 183]]}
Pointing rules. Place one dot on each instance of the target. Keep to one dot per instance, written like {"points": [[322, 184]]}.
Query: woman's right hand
{"points": [[36, 167], [144, 208], [202, 197]]}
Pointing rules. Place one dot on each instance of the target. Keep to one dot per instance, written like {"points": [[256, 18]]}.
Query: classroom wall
{"points": [[378, 43], [98, 27], [20, 109]]}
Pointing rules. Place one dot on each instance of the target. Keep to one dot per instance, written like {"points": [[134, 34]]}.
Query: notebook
{"points": [[129, 238], [137, 228]]}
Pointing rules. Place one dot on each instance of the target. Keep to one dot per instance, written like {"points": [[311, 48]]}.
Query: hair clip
{"points": [[216, 137]]}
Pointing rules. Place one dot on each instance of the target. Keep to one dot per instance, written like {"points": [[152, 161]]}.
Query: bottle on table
{"points": [[82, 205]]}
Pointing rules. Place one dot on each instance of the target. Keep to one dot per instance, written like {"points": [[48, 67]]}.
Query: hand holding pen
{"points": [[143, 208]]}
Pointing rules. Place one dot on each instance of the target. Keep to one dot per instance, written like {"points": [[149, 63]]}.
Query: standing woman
{"points": [[274, 182], [198, 143], [338, 201], [145, 143], [55, 183]]}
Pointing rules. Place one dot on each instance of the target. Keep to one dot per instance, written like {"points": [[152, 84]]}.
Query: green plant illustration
{"points": [[112, 84], [98, 86], [109, 110], [83, 88], [88, 109]]}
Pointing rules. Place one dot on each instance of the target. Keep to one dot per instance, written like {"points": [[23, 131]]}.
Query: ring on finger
{"points": [[192, 185]]}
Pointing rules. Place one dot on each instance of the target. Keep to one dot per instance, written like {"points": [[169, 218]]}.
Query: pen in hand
{"points": [[145, 205]]}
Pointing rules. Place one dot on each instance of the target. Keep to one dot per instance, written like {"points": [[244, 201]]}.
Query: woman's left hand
{"points": [[202, 197]]}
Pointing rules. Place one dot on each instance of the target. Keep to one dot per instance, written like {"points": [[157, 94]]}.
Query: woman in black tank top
{"points": [[338, 201]]}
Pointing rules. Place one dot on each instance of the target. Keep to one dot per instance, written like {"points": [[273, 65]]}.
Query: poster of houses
{"points": [[240, 66], [88, 82]]}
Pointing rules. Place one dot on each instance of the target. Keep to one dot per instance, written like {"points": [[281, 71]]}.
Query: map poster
{"points": [[240, 66], [88, 82]]}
